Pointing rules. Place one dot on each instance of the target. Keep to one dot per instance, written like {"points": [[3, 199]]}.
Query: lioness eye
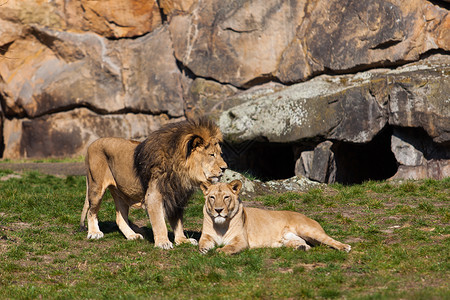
{"points": [[213, 154], [212, 198], [226, 198]]}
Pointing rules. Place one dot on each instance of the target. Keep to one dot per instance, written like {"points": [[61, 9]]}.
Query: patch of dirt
{"points": [[57, 168]]}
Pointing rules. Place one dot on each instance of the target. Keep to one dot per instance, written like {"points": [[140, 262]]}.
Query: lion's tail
{"points": [[85, 209]]}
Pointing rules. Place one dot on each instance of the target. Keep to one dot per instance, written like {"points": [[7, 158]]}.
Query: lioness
{"points": [[160, 173], [226, 222]]}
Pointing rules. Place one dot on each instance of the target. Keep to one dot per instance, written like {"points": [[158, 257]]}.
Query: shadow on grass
{"points": [[147, 232]]}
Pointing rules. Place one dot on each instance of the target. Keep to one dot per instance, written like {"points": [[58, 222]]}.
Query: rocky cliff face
{"points": [[333, 90]]}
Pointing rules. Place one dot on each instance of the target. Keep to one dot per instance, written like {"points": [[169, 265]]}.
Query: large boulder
{"points": [[418, 156], [109, 18], [69, 133], [349, 108], [246, 42], [56, 70], [354, 110]]}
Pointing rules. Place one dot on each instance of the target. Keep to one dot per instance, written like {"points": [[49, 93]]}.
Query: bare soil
{"points": [[52, 168]]}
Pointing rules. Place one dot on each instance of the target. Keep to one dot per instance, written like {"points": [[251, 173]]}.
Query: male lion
{"points": [[226, 222], [160, 173]]}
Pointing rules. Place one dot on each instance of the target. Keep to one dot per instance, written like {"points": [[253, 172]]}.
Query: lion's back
{"points": [[265, 227]]}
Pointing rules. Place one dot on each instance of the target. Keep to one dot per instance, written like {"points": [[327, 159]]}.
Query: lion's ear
{"points": [[236, 186], [193, 142], [205, 186]]}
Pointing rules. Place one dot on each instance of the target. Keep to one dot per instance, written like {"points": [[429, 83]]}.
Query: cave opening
{"points": [[260, 160], [355, 163]]}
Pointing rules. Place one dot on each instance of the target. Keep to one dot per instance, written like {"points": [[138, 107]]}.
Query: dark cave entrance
{"points": [[262, 160], [355, 163]]}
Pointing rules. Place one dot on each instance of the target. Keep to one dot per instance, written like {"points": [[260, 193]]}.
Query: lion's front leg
{"points": [[177, 225], [237, 244], [155, 209], [206, 243]]}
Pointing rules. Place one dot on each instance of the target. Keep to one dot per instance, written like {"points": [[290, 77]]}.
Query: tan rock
{"points": [[436, 169], [252, 42], [69, 133], [54, 70], [344, 37], [171, 7], [234, 43], [109, 18], [119, 18], [27, 12]]}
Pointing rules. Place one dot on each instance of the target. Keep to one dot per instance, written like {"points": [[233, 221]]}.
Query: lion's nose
{"points": [[218, 210], [223, 168]]}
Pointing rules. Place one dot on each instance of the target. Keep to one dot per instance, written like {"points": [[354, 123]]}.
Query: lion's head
{"points": [[222, 200], [183, 154], [205, 160]]}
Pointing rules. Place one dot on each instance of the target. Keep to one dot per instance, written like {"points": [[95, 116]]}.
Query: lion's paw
{"points": [[204, 250], [193, 241], [186, 241], [95, 235], [135, 236], [304, 247], [165, 245], [347, 248]]}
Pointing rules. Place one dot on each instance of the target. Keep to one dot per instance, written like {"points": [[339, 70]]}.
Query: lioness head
{"points": [[205, 159], [221, 200]]}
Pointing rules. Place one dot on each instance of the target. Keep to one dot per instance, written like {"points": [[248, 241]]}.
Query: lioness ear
{"points": [[205, 186], [193, 142], [236, 186]]}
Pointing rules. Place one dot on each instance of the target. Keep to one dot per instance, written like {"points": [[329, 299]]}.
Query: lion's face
{"points": [[206, 162], [222, 200]]}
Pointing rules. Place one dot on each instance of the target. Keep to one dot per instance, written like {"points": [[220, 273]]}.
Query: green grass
{"points": [[44, 160], [399, 233]]}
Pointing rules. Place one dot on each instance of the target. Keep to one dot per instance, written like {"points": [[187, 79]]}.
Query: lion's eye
{"points": [[212, 198], [226, 198], [213, 155]]}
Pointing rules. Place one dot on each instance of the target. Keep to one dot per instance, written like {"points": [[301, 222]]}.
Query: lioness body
{"points": [[160, 173], [226, 222]]}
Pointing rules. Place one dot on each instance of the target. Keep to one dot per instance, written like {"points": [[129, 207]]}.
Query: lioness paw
{"points": [[95, 235], [347, 248], [304, 247], [164, 245], [204, 250]]}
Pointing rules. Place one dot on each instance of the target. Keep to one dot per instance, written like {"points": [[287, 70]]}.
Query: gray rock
{"points": [[323, 167], [405, 153], [303, 165], [349, 108], [253, 188]]}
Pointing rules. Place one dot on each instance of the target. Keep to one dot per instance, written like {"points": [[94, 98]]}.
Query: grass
{"points": [[44, 160], [398, 231]]}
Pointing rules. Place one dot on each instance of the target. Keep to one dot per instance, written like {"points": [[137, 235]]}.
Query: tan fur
{"points": [[110, 164], [226, 222]]}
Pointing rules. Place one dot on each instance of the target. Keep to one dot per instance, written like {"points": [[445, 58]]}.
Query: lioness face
{"points": [[221, 200], [207, 162]]}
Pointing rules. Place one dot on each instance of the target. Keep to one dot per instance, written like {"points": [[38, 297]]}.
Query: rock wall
{"points": [[280, 77]]}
